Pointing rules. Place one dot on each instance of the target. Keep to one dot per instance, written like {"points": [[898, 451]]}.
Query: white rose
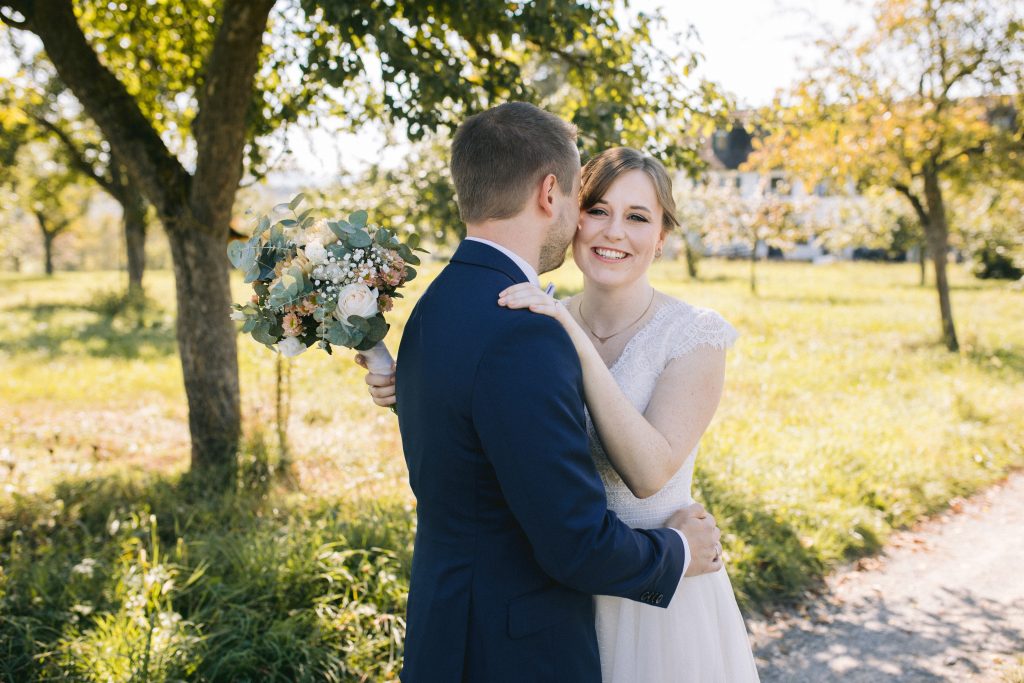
{"points": [[316, 253], [290, 347], [356, 299], [237, 315], [322, 232]]}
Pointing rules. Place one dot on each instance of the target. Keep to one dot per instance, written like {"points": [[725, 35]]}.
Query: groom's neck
{"points": [[516, 234]]}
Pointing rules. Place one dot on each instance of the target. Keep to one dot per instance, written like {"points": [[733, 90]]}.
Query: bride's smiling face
{"points": [[619, 235]]}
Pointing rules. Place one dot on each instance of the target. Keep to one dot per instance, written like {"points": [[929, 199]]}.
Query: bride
{"points": [[653, 371]]}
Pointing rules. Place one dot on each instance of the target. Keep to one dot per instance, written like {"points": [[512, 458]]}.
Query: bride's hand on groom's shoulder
{"points": [[702, 536], [529, 296], [382, 387]]}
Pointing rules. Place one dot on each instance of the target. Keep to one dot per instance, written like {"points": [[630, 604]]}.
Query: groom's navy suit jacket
{"points": [[514, 535]]}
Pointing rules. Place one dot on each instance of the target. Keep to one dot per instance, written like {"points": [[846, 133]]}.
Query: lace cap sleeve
{"points": [[700, 327]]}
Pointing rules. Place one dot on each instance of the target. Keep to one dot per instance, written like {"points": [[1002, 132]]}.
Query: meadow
{"points": [[843, 418]]}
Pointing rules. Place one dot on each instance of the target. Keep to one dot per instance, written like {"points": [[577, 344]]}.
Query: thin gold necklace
{"points": [[613, 334]]}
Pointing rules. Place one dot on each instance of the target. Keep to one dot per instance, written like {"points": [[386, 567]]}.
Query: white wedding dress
{"points": [[700, 637]]}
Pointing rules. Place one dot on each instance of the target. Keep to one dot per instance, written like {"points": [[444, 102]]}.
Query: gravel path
{"points": [[945, 602]]}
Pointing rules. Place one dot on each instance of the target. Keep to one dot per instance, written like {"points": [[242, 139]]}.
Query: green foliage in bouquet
{"points": [[320, 281]]}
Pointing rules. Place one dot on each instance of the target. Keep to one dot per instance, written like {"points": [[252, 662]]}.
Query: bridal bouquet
{"points": [[321, 281]]}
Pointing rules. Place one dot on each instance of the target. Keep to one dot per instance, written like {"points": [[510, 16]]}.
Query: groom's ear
{"points": [[546, 194]]}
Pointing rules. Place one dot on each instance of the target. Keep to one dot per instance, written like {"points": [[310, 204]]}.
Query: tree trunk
{"points": [[207, 345], [922, 261], [48, 251], [753, 263], [48, 237], [195, 209], [937, 234], [135, 236], [691, 259]]}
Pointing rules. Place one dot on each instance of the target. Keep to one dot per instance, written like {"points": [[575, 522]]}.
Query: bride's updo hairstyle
{"points": [[600, 172]]}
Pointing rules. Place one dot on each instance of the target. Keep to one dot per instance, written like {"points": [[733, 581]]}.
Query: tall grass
{"points": [[843, 418]]}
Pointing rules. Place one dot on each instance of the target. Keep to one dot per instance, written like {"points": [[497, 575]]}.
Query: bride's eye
{"points": [[597, 212], [638, 217]]}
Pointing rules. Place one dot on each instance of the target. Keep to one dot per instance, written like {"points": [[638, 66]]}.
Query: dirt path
{"points": [[945, 602]]}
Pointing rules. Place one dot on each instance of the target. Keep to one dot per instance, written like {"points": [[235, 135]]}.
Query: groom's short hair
{"points": [[499, 156]]}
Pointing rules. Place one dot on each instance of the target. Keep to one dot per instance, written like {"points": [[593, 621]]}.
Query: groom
{"points": [[514, 535]]}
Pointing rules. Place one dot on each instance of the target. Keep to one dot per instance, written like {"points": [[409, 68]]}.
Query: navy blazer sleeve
{"points": [[528, 413]]}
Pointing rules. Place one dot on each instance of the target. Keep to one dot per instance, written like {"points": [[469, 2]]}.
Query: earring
{"points": [[657, 253]]}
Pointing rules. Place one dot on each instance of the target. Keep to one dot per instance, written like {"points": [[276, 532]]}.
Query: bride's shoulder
{"points": [[689, 326]]}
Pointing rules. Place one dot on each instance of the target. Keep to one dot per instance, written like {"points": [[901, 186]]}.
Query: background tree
{"points": [[928, 97], [991, 220], [725, 219], [45, 186], [436, 62], [48, 110]]}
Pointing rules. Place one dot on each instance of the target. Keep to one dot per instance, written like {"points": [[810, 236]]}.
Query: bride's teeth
{"points": [[610, 254]]}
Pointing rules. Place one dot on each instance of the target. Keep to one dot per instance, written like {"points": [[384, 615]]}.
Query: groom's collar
{"points": [[489, 254]]}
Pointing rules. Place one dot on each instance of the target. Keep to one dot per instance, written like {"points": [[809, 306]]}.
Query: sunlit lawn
{"points": [[842, 418]]}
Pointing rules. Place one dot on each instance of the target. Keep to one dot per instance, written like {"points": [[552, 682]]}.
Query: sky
{"points": [[753, 47]]}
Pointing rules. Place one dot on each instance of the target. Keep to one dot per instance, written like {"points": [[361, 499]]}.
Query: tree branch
{"points": [[972, 151], [224, 102], [131, 136], [922, 213], [78, 159]]}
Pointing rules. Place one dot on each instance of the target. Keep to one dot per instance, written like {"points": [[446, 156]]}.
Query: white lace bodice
{"points": [[677, 328]]}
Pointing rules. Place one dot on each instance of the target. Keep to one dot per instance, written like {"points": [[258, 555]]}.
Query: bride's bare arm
{"points": [[645, 449]]}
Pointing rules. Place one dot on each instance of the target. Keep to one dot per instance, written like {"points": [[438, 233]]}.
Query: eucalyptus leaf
{"points": [[359, 240], [337, 333], [264, 224], [262, 334], [338, 250], [378, 328], [235, 251], [361, 324], [340, 230], [253, 273], [248, 256], [296, 200], [358, 218]]}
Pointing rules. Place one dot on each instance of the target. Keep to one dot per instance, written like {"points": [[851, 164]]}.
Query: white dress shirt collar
{"points": [[528, 270]]}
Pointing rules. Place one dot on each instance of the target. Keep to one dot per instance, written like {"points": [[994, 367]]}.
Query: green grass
{"points": [[843, 418]]}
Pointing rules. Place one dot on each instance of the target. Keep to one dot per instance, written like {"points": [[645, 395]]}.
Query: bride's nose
{"points": [[615, 229]]}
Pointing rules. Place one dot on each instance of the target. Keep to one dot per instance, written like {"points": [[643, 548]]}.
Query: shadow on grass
{"points": [[991, 286], [824, 300], [768, 565], [104, 336], [250, 585], [1000, 362]]}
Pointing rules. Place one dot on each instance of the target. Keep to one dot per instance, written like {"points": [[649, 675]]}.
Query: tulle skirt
{"points": [[699, 638]]}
